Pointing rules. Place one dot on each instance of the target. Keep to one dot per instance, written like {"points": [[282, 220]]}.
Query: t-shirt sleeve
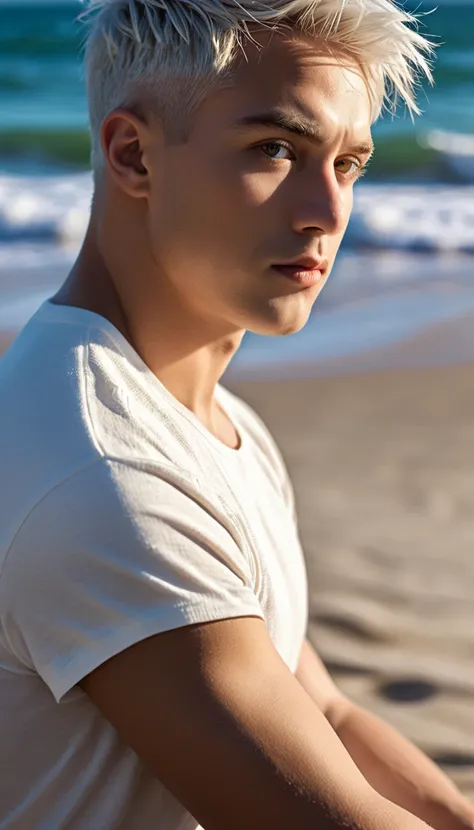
{"points": [[117, 553]]}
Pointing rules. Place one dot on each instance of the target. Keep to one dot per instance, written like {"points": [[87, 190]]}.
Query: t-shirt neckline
{"points": [[52, 312]]}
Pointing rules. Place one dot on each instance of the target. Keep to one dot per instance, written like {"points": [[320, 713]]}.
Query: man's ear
{"points": [[125, 139]]}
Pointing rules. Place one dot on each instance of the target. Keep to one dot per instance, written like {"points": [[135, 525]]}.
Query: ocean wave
{"points": [[48, 208], [399, 155], [61, 145], [413, 217], [396, 154], [429, 217]]}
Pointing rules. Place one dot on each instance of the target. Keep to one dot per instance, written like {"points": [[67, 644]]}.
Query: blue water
{"points": [[381, 292]]}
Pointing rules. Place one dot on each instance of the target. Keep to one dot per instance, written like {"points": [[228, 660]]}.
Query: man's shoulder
{"points": [[71, 392], [62, 411], [44, 424]]}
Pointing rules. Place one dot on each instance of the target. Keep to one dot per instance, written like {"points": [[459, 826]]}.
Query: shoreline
{"points": [[443, 344], [378, 311]]}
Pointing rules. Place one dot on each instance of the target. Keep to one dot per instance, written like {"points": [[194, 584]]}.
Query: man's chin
{"points": [[279, 322]]}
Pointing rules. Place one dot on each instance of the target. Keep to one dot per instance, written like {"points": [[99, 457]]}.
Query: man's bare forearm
{"points": [[398, 770]]}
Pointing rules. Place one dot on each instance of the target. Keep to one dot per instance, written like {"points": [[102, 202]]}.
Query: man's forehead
{"points": [[299, 85], [288, 56]]}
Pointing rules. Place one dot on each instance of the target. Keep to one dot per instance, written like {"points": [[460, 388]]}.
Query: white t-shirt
{"points": [[121, 516]]}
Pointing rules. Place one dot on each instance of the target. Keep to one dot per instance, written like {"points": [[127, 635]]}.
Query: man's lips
{"points": [[306, 271]]}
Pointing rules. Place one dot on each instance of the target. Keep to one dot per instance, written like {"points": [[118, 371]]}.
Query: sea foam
{"points": [[430, 217]]}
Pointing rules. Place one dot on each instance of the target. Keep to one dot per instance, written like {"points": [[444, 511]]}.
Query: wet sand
{"points": [[383, 469]]}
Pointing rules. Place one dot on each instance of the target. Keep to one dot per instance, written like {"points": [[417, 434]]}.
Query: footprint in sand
{"points": [[408, 690], [453, 759]]}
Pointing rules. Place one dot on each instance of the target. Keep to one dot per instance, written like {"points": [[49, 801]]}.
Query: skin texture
{"points": [[179, 256]]}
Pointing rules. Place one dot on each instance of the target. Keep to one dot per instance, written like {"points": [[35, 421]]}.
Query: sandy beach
{"points": [[383, 469]]}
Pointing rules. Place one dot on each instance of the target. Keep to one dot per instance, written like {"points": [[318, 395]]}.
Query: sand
{"points": [[383, 469]]}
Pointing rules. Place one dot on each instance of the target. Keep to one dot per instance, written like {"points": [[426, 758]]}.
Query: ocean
{"points": [[415, 205]]}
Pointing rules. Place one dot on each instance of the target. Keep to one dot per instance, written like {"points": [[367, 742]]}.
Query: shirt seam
{"points": [[191, 619], [94, 439], [76, 471], [110, 334], [90, 424], [103, 458]]}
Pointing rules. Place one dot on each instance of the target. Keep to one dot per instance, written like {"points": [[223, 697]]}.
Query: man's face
{"points": [[264, 180]]}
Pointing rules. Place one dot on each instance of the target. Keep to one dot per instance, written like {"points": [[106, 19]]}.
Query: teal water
{"points": [[43, 116], [406, 265]]}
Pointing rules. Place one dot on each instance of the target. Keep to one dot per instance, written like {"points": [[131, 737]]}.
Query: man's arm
{"points": [[218, 717], [390, 763]]}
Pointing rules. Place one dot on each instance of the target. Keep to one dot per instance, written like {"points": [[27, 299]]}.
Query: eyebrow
{"points": [[298, 125]]}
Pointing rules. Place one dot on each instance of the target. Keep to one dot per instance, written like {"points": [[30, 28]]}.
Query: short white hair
{"points": [[172, 53]]}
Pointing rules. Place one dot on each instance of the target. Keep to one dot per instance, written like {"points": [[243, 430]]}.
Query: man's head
{"points": [[232, 133]]}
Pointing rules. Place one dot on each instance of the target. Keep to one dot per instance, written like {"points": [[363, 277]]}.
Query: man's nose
{"points": [[322, 204]]}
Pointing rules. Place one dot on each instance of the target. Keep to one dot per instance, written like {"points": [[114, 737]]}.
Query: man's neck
{"points": [[180, 354]]}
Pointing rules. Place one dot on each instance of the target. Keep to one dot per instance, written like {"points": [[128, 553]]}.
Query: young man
{"points": [[154, 671]]}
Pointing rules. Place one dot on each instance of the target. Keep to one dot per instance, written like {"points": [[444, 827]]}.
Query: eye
{"points": [[349, 167], [278, 150]]}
